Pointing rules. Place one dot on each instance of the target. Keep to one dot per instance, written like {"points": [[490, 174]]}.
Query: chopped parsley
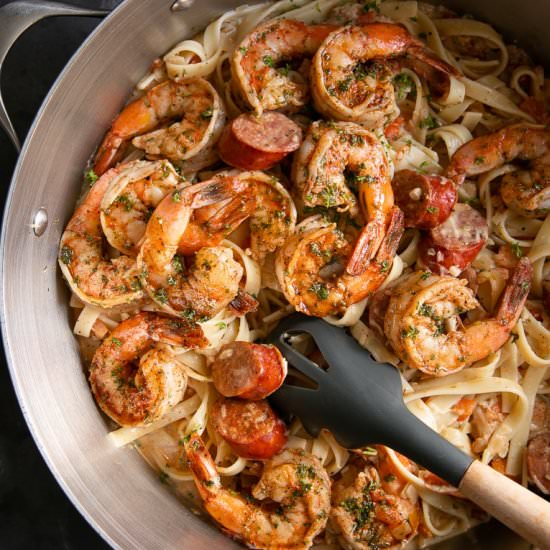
{"points": [[403, 85], [368, 6], [429, 122], [177, 264], [516, 249], [207, 113], [176, 196], [161, 296], [315, 249], [66, 255], [411, 332], [384, 266], [320, 289], [125, 201], [432, 209], [116, 341], [268, 61], [479, 160], [90, 177]]}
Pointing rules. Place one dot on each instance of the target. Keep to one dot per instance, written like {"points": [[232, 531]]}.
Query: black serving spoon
{"points": [[361, 402]]}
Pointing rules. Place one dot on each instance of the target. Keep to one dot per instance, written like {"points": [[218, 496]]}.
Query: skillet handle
{"points": [[16, 18], [508, 501]]}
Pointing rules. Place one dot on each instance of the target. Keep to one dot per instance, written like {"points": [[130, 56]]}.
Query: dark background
{"points": [[34, 512]]}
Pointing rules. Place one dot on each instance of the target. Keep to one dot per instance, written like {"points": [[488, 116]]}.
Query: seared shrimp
{"points": [[351, 79], [334, 152], [374, 508], [526, 191], [194, 101], [134, 380], [255, 196], [261, 65], [93, 277], [133, 193], [293, 480], [211, 283], [423, 326], [311, 267]]}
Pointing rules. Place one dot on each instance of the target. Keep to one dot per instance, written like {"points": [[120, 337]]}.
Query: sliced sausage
{"points": [[258, 143], [251, 428], [249, 371], [426, 201], [538, 461], [452, 246]]}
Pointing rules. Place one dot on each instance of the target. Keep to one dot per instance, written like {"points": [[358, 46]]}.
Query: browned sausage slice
{"points": [[249, 371], [251, 428], [452, 246], [258, 143], [426, 201], [538, 461]]}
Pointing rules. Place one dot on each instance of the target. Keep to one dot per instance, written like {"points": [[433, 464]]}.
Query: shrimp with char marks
{"points": [[423, 324], [193, 100], [372, 508], [290, 504], [334, 155], [527, 191], [351, 73], [311, 267], [133, 193], [262, 64], [133, 395], [92, 276], [211, 283]]}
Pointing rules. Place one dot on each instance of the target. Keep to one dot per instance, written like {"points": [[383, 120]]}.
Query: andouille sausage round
{"points": [[452, 246], [250, 142], [251, 428], [249, 371], [426, 201]]}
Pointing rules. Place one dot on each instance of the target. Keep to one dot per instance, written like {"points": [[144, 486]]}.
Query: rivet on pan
{"points": [[180, 5], [40, 222]]}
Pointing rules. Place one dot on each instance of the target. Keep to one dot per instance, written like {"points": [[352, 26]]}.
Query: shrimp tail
{"points": [[108, 154], [364, 253], [365, 248], [395, 230], [231, 215], [513, 298], [430, 58], [201, 465], [243, 303], [177, 332], [211, 192]]}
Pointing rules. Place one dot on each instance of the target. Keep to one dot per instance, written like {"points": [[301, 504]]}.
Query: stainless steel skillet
{"points": [[114, 489]]}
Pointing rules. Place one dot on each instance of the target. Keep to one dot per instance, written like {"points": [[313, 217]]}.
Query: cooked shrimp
{"points": [[423, 326], [262, 64], [135, 394], [193, 100], [311, 267], [334, 154], [255, 196], [92, 276], [373, 508], [295, 482], [526, 191], [213, 279], [133, 193], [351, 79]]}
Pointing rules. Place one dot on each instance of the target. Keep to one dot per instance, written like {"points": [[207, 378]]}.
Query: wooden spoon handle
{"points": [[512, 504]]}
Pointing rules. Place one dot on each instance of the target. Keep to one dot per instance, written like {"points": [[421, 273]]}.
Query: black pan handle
{"points": [[16, 18]]}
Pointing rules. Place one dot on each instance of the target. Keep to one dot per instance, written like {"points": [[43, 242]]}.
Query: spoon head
{"points": [[355, 397]]}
